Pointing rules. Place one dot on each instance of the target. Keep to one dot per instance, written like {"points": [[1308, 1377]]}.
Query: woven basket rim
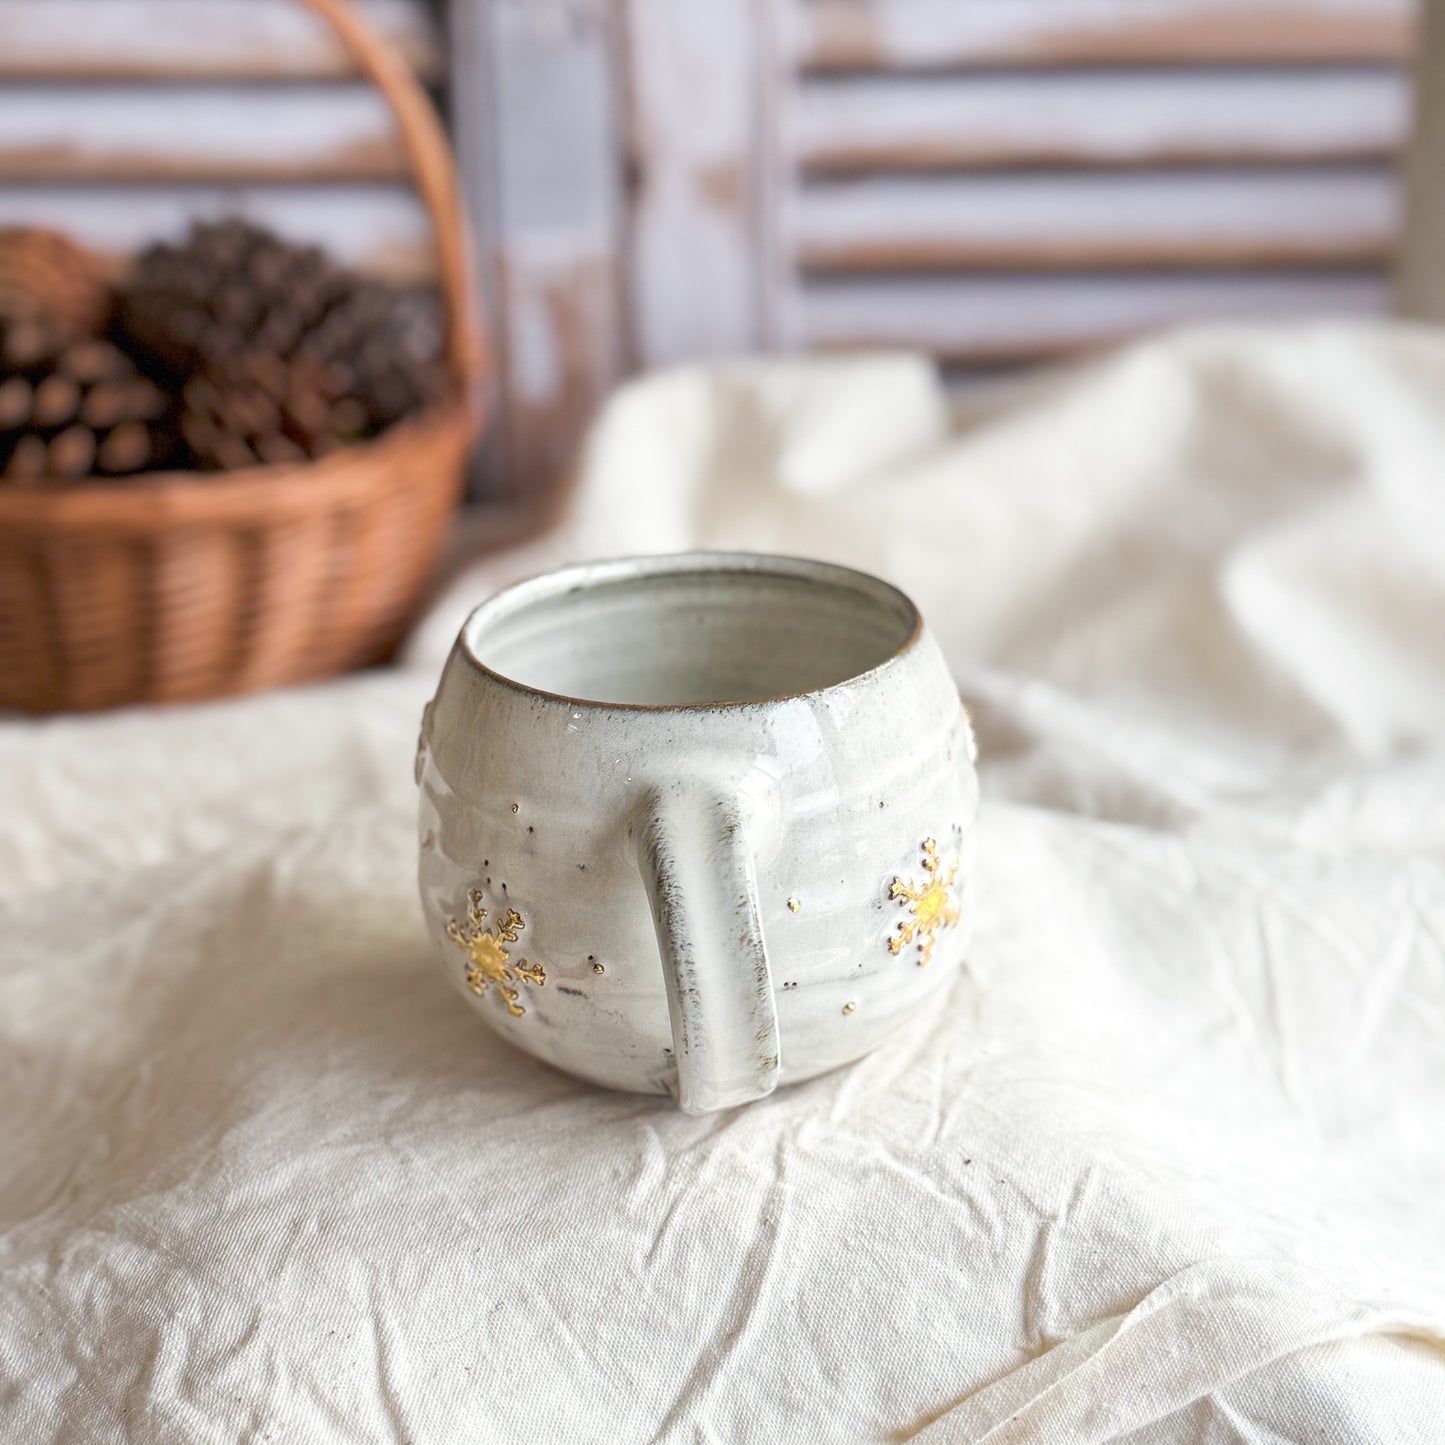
{"points": [[261, 495]]}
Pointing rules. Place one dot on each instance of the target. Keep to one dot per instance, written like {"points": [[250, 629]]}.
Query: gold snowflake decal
{"points": [[487, 961], [930, 903]]}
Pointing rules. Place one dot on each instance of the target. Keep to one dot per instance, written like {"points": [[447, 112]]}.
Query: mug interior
{"points": [[690, 631]]}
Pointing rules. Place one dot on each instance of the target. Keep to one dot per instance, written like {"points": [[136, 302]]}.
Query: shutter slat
{"points": [[876, 124], [999, 320], [231, 133], [381, 229], [1007, 222], [56, 40], [965, 34]]}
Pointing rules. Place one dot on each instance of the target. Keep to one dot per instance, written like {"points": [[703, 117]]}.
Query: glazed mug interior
{"points": [[703, 635]]}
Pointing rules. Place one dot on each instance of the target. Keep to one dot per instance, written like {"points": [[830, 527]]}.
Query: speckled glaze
{"points": [[699, 824]]}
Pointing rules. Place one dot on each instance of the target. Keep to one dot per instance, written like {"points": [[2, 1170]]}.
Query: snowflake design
{"points": [[488, 962], [930, 904]]}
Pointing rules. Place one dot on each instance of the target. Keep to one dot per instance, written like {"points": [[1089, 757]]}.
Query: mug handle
{"points": [[703, 889]]}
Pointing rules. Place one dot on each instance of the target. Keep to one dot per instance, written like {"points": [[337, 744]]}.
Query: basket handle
{"points": [[434, 175]]}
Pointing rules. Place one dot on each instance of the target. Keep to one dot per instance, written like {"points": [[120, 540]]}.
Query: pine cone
{"points": [[229, 289], [260, 408], [71, 411], [282, 354], [46, 277], [382, 347]]}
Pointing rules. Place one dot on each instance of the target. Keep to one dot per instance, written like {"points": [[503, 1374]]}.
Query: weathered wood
{"points": [[535, 99], [234, 133], [700, 240], [1201, 219], [994, 321], [378, 228], [766, 206], [850, 124], [195, 40], [1421, 282], [961, 34]]}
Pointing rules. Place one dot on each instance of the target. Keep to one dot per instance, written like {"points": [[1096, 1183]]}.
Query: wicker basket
{"points": [[177, 587]]}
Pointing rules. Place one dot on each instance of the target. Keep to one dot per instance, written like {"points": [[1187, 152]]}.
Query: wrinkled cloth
{"points": [[1168, 1166]]}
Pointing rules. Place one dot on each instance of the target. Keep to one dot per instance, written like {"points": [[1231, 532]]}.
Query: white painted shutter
{"points": [[121, 120]]}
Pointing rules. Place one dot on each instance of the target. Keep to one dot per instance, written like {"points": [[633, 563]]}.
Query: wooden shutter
{"points": [[1003, 181], [536, 93], [121, 120], [997, 182]]}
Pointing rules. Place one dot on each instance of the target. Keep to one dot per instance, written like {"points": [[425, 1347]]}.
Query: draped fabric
{"points": [[1168, 1167]]}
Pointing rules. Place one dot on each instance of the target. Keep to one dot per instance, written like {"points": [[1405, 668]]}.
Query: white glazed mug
{"points": [[697, 824]]}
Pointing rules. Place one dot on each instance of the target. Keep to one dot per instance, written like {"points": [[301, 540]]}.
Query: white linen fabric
{"points": [[1168, 1167]]}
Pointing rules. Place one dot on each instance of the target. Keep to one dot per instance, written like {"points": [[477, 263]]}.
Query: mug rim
{"points": [[577, 576]]}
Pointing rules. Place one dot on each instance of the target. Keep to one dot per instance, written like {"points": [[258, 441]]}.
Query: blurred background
{"points": [[997, 182]]}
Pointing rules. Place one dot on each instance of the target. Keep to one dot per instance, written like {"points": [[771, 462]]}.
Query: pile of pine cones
{"points": [[234, 349]]}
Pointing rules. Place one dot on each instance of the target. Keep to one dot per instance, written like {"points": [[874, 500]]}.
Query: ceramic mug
{"points": [[697, 824]]}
